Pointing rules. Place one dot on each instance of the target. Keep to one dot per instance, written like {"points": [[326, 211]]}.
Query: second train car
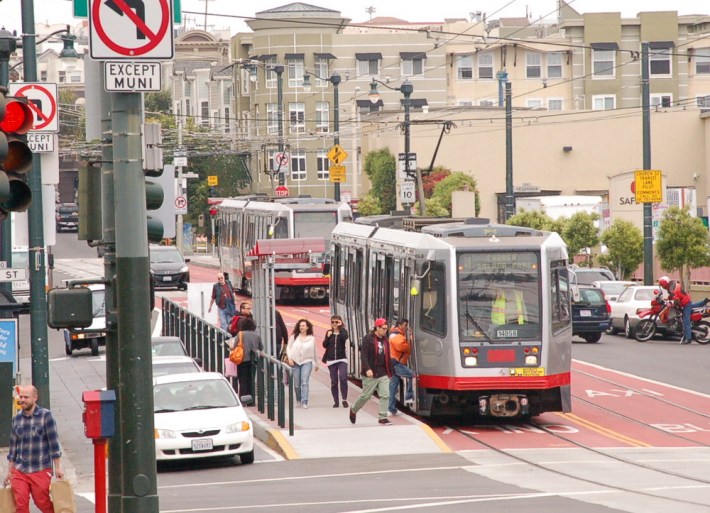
{"points": [[488, 309]]}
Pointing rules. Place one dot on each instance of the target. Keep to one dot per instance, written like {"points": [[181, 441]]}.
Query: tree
{"points": [[430, 181], [72, 118], [456, 181], [682, 243], [624, 242], [536, 219], [158, 102], [580, 232], [369, 206], [380, 166]]}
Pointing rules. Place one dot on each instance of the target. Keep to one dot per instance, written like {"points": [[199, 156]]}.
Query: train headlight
{"points": [[531, 360], [470, 361]]}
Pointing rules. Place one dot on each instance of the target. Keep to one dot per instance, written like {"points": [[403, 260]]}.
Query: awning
{"points": [[266, 57], [415, 102], [660, 45], [368, 56], [294, 56], [605, 46], [324, 56], [410, 56], [367, 103]]}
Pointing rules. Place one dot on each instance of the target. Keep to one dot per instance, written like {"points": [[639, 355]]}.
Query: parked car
{"points": [[588, 275], [168, 268], [612, 288], [67, 217], [590, 314], [164, 365], [199, 415], [95, 335], [624, 311], [167, 346]]}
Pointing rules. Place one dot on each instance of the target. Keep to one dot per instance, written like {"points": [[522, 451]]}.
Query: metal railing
{"points": [[273, 379]]}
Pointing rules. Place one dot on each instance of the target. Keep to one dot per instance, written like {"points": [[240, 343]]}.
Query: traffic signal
{"points": [[153, 167], [16, 119]]}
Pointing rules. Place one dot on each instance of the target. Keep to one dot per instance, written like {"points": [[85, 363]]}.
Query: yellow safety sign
{"points": [[647, 186], [337, 154], [213, 180], [337, 174]]}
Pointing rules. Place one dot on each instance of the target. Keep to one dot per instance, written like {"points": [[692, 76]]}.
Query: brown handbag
{"points": [[7, 500], [62, 496]]}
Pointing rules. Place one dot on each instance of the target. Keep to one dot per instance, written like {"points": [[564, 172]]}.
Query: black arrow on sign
{"points": [[136, 5]]}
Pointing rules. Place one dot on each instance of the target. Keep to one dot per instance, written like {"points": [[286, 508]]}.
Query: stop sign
{"points": [[281, 190]]}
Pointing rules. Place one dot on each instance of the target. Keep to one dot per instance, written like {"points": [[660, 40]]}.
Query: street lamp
{"points": [[335, 80], [406, 89]]}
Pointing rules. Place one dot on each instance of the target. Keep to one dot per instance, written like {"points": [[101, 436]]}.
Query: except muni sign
{"points": [[132, 76]]}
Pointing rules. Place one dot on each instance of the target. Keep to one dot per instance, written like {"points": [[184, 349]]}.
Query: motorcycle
{"points": [[666, 316]]}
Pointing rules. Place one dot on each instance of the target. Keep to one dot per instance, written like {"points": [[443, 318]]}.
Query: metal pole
{"points": [[335, 80], [647, 207], [179, 222], [355, 140], [135, 401], [279, 70], [38, 295], [509, 204], [7, 47]]}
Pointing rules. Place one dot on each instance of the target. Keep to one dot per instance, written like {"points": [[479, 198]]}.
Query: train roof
{"points": [[477, 227], [298, 204]]}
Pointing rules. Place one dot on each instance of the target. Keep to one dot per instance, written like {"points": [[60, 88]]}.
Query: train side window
{"points": [[432, 311], [559, 295]]}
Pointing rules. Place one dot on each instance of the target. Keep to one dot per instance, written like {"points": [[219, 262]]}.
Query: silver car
{"points": [[612, 288], [625, 310]]}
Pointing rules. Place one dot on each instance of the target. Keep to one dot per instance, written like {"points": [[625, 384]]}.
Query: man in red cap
{"points": [[376, 369]]}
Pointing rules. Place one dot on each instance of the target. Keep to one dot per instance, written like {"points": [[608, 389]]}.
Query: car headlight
{"points": [[238, 427], [184, 269], [165, 433], [470, 361], [531, 360]]}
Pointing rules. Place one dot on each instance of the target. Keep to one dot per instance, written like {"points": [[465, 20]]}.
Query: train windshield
{"points": [[314, 224], [499, 298]]}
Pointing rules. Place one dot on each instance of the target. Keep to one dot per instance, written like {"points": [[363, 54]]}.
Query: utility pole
{"points": [[279, 70], [647, 207], [509, 203], [8, 45], [38, 295], [335, 80], [179, 221]]}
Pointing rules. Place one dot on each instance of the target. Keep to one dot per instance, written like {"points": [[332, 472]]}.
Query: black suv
{"points": [[67, 217], [590, 314], [168, 268]]}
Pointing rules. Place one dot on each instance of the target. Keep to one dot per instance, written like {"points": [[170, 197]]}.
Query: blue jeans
{"points": [[687, 331], [301, 377], [400, 371], [225, 315]]}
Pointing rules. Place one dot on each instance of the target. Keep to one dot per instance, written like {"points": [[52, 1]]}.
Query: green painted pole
{"points": [[7, 47], [646, 127], [335, 80], [135, 387], [38, 295]]}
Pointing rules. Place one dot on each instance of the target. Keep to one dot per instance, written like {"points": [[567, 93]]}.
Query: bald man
{"points": [[34, 448]]}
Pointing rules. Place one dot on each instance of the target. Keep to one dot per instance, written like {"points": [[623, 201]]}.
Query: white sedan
{"points": [[625, 310], [198, 415]]}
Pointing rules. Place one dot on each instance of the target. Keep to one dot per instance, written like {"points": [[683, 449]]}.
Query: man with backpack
{"points": [[244, 311]]}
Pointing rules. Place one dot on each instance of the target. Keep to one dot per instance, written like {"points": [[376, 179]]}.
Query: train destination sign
{"points": [[123, 76]]}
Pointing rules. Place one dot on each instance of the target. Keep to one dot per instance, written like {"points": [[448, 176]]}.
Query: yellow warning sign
{"points": [[213, 180], [647, 185], [337, 174], [337, 154]]}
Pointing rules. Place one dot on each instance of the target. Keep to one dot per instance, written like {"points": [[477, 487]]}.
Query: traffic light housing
{"points": [[16, 119]]}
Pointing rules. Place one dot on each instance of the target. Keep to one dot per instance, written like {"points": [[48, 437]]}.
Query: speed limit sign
{"points": [[407, 192]]}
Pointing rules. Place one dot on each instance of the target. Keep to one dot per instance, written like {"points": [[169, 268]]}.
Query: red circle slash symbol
{"points": [[42, 119], [122, 7]]}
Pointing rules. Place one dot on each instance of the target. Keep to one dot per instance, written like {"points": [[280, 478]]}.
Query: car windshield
{"points": [[614, 288], [163, 369], [589, 276], [645, 294], [168, 348], [314, 224], [194, 395], [163, 256]]}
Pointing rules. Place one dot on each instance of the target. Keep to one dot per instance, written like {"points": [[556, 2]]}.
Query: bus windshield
{"points": [[499, 298], [314, 224]]}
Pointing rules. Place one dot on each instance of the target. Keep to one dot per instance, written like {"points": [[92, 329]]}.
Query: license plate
{"points": [[585, 313], [167, 278], [203, 444], [533, 371]]}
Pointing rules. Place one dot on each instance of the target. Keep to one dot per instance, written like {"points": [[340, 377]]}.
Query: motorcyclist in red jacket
{"points": [[682, 299]]}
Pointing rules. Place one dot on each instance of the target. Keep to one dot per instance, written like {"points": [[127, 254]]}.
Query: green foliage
{"points": [[158, 102], [72, 118], [434, 208], [380, 166], [579, 233], [430, 181], [624, 242], [536, 219], [369, 206], [456, 181], [682, 242]]}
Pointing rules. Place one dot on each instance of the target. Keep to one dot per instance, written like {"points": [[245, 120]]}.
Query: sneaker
{"points": [[305, 406], [683, 341], [345, 404], [385, 422], [409, 401], [353, 416], [298, 404], [335, 405], [392, 413]]}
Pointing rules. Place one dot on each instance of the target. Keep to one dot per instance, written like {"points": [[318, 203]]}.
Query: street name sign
{"points": [[402, 158], [131, 29], [125, 76], [13, 274]]}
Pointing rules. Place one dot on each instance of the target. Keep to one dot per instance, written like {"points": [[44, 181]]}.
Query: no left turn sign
{"points": [[131, 29], [42, 99]]}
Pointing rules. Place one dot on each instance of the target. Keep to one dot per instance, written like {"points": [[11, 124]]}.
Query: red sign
{"points": [[281, 191]]}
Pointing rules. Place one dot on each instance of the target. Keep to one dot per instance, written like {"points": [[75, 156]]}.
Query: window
{"points": [[366, 106], [702, 61], [487, 103], [485, 66], [554, 65], [533, 66], [534, 103], [559, 295], [368, 67], [323, 165], [660, 62], [321, 70], [43, 75], [270, 73], [298, 165], [411, 67], [297, 117], [322, 117], [431, 313], [603, 102], [272, 118], [245, 80], [62, 77], [295, 72], [661, 100], [703, 102], [227, 121], [188, 110], [464, 67], [227, 94], [603, 63], [188, 88], [205, 113], [555, 104]]}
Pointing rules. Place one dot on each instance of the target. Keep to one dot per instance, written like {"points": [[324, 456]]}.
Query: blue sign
{"points": [[8, 342]]}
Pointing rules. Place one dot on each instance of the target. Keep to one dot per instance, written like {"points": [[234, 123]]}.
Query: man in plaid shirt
{"points": [[34, 446]]}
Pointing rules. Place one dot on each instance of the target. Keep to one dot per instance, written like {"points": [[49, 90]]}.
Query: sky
{"points": [[60, 11]]}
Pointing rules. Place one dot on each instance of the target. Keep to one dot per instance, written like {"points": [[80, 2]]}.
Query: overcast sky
{"points": [[60, 11]]}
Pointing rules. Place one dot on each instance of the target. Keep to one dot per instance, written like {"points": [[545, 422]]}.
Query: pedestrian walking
{"points": [[235, 324], [301, 351], [34, 450], [376, 370], [336, 358], [399, 353], [224, 296], [251, 341]]}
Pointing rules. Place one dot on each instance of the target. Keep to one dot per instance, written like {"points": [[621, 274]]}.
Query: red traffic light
{"points": [[213, 211], [18, 118]]}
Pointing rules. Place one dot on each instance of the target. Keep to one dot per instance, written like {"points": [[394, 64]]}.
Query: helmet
{"points": [[663, 281]]}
